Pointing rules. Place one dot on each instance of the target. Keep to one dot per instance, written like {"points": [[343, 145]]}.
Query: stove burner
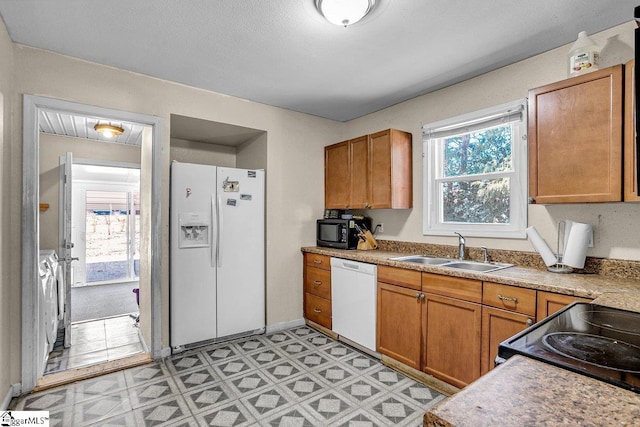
{"points": [[619, 322], [595, 350]]}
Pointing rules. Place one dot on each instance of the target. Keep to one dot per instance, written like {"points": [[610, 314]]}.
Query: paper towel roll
{"points": [[575, 251], [541, 247]]}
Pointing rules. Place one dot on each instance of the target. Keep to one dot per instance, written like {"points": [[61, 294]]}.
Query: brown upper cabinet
{"points": [[370, 172], [336, 176], [575, 139], [630, 154]]}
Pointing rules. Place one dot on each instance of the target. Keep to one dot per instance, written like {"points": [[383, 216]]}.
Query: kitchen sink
{"points": [[483, 267], [422, 259], [476, 266]]}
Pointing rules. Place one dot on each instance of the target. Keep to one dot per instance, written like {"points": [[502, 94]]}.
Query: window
{"points": [[475, 173]]}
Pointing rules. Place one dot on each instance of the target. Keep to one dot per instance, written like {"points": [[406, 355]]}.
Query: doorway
{"points": [[105, 224], [149, 260]]}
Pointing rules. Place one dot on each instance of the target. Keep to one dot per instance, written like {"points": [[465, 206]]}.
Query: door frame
{"points": [[32, 105]]}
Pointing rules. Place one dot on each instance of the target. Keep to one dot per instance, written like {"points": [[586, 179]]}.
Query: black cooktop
{"points": [[593, 340]]}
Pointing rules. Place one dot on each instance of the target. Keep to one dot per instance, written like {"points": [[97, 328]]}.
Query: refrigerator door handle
{"points": [[214, 229], [220, 228]]}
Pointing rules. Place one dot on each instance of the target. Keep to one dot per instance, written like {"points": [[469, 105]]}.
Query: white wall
{"points": [[186, 151], [253, 154], [616, 225]]}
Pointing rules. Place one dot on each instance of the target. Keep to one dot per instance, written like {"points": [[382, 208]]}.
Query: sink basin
{"points": [[476, 266], [483, 267], [422, 259]]}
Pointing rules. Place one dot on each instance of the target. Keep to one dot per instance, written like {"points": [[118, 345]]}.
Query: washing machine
{"points": [[42, 342], [58, 273], [50, 298]]}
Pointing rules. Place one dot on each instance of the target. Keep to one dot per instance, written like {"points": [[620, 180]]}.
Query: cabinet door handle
{"points": [[531, 201], [417, 296], [422, 297], [317, 261], [317, 282], [317, 310], [529, 322], [507, 299]]}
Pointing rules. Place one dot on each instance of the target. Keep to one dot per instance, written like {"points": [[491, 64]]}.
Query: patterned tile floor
{"points": [[296, 377], [95, 341]]}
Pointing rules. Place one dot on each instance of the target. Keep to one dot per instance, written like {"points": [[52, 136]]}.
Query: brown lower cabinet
{"points": [[452, 346], [399, 331], [317, 289], [448, 327], [497, 326]]}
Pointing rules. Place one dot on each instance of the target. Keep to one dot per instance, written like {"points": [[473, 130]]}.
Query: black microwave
{"points": [[340, 233]]}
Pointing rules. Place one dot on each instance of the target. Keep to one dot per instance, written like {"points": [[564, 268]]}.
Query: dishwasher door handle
{"points": [[350, 266]]}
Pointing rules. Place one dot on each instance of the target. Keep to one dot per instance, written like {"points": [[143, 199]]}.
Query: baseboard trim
{"points": [[164, 352], [7, 399], [277, 327]]}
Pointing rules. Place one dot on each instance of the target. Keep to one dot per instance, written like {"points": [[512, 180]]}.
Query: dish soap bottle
{"points": [[583, 56]]}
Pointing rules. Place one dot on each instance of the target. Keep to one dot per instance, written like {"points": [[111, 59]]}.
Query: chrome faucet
{"points": [[461, 243], [485, 254]]}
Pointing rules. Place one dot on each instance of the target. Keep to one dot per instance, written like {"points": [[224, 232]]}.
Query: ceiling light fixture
{"points": [[344, 12], [109, 130]]}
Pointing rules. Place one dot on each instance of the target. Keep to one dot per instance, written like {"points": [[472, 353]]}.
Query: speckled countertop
{"points": [[523, 391], [621, 292]]}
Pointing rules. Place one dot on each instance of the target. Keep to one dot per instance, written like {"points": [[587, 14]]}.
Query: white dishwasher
{"points": [[353, 301]]}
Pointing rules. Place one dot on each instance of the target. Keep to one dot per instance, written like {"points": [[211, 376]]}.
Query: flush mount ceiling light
{"points": [[109, 130], [344, 12]]}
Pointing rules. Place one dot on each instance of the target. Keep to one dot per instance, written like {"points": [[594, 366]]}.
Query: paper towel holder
{"points": [[559, 267]]}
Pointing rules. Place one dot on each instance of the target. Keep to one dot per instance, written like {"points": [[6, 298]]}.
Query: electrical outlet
{"points": [[380, 228]]}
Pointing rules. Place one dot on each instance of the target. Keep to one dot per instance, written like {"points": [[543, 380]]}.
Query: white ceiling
{"points": [[283, 53]]}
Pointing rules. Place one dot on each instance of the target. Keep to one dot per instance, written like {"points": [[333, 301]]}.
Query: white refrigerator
{"points": [[217, 278]]}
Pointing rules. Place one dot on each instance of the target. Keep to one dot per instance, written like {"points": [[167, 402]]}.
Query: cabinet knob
{"points": [[531, 201], [529, 322], [417, 296], [422, 297]]}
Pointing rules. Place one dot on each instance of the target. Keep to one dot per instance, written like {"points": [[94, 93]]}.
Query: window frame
{"points": [[512, 112]]}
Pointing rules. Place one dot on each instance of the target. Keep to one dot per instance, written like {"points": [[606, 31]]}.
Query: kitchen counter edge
{"points": [[612, 292]]}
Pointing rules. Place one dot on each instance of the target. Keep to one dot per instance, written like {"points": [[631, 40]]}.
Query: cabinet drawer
{"points": [[549, 303], [455, 287], [318, 310], [510, 298], [318, 282], [400, 276], [318, 261]]}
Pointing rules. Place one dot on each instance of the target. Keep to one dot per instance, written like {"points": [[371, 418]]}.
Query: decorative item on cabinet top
{"points": [[370, 172]]}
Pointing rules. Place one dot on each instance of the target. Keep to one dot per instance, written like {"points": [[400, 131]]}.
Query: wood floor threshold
{"points": [[73, 375]]}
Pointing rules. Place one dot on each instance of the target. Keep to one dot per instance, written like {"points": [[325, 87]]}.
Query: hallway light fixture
{"points": [[109, 130], [344, 12]]}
